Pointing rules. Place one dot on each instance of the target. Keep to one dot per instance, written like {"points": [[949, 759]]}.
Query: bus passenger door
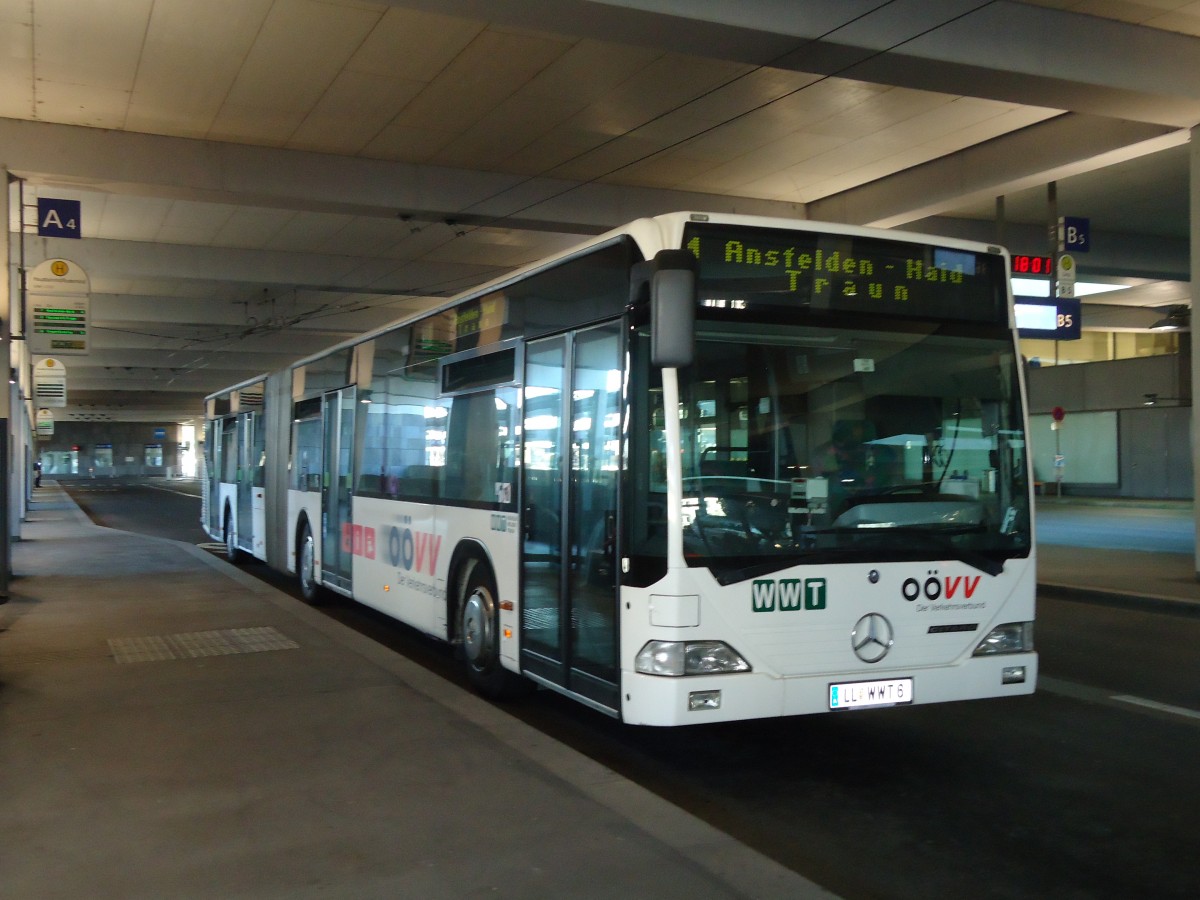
{"points": [[337, 536], [212, 477], [227, 469], [247, 464], [571, 429]]}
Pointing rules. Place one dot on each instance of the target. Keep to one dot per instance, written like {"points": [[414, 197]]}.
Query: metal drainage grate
{"points": [[198, 643]]}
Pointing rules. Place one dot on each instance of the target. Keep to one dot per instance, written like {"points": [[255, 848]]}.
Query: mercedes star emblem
{"points": [[871, 638]]}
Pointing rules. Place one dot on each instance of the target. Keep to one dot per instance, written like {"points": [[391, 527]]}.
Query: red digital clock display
{"points": [[1032, 265]]}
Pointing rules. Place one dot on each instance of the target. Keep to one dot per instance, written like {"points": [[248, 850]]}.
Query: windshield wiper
{"points": [[733, 576], [813, 557], [928, 536]]}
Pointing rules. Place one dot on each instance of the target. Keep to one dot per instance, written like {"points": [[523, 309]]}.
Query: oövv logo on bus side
{"points": [[409, 549], [934, 588], [787, 594]]}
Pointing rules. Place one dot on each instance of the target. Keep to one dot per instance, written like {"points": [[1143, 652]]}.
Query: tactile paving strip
{"points": [[198, 643]]}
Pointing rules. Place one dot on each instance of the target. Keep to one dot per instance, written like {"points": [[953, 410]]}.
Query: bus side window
{"points": [[419, 481], [478, 439]]}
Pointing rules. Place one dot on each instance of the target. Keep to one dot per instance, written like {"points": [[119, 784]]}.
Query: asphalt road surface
{"points": [[1088, 789], [1166, 528]]}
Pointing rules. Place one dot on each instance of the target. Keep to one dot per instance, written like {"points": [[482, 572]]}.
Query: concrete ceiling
{"points": [[259, 179]]}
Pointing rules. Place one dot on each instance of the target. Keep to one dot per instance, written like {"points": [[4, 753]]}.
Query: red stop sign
{"points": [[1058, 413]]}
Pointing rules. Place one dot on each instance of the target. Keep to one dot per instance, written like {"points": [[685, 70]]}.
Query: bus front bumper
{"points": [[694, 700]]}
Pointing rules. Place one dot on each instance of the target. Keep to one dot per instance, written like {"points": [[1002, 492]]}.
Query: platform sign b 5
{"points": [[1074, 234]]}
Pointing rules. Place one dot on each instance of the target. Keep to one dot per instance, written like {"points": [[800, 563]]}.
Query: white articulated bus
{"points": [[701, 468]]}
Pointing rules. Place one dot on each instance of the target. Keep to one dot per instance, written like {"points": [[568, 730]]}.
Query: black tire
{"points": [[306, 562], [232, 553], [479, 636]]}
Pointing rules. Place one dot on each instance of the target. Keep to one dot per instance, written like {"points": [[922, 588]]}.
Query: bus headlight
{"points": [[689, 658], [1014, 637]]}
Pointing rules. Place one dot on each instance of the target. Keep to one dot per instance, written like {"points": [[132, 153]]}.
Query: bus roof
{"points": [[651, 234]]}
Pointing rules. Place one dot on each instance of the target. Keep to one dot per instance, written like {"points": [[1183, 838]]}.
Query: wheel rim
{"points": [[230, 543], [307, 579], [477, 628]]}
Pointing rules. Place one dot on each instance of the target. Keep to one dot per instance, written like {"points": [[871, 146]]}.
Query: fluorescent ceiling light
{"points": [[1179, 318], [1036, 317], [1036, 287]]}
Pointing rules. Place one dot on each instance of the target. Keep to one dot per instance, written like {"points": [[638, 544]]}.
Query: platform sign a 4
{"points": [[58, 218]]}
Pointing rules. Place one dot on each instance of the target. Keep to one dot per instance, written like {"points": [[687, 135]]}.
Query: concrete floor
{"points": [[171, 727]]}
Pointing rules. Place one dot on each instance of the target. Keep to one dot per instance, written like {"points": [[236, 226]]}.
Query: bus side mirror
{"points": [[673, 309]]}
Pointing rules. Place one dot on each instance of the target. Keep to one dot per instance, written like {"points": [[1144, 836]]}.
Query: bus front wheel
{"points": [[479, 634], [232, 553], [306, 565]]}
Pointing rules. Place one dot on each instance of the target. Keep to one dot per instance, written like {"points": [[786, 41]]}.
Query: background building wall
{"points": [[1127, 430], [115, 449]]}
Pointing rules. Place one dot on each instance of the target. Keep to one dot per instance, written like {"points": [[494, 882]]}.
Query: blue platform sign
{"points": [[1074, 234], [58, 218], [1049, 320]]}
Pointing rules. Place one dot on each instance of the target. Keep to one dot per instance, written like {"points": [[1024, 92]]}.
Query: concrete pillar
{"points": [[7, 306], [1194, 232], [9, 504]]}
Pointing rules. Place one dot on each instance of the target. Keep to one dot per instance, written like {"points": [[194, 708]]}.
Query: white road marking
{"points": [[1116, 701], [1160, 707], [155, 487]]}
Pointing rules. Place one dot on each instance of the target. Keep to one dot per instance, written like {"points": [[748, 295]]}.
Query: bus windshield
{"points": [[818, 443]]}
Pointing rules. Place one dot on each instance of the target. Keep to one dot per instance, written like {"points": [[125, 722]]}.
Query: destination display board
{"points": [[748, 268]]}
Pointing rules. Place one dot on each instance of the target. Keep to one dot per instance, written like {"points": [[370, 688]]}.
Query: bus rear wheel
{"points": [[479, 635]]}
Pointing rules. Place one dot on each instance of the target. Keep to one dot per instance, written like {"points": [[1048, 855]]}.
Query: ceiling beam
{"points": [[1066, 145], [296, 270], [1009, 51], [189, 169], [1113, 254]]}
